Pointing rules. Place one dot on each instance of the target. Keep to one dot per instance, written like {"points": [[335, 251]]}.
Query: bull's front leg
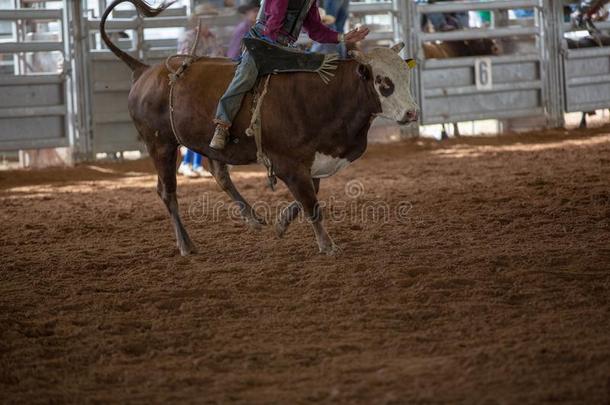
{"points": [[302, 188], [221, 174], [289, 213]]}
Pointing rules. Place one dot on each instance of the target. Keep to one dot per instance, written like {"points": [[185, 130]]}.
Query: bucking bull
{"points": [[309, 129]]}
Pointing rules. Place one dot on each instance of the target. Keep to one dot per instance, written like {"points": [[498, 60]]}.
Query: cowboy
{"points": [[279, 22]]}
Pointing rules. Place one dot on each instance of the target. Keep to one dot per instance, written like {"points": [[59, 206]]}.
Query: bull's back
{"points": [[196, 90]]}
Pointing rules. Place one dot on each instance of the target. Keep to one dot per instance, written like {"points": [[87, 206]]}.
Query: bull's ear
{"points": [[398, 47], [411, 63], [364, 71]]}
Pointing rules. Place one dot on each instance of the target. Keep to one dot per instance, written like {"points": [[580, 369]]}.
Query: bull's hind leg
{"points": [[221, 174], [444, 134], [289, 213], [164, 158], [583, 121], [302, 188]]}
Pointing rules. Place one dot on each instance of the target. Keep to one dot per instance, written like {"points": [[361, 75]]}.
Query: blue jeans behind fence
{"points": [[192, 158]]}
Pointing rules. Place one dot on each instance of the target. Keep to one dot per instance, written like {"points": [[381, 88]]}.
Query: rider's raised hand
{"points": [[355, 35]]}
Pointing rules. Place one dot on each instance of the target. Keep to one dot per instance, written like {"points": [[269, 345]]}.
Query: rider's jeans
{"points": [[243, 81]]}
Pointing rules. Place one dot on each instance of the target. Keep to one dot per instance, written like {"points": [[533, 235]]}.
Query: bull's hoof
{"points": [[187, 251], [280, 228], [260, 220], [187, 248], [330, 250], [253, 221], [256, 224]]}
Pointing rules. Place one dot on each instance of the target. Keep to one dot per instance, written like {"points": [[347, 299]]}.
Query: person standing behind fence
{"points": [[207, 45], [335, 16], [250, 11], [191, 165], [447, 21]]}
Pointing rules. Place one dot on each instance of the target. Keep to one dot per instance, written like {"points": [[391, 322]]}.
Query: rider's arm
{"points": [[276, 12], [317, 30]]}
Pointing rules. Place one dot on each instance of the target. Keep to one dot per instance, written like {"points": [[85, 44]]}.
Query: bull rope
{"points": [[256, 129], [174, 75]]}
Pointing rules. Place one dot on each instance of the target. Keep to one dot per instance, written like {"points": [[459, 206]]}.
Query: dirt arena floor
{"points": [[473, 271]]}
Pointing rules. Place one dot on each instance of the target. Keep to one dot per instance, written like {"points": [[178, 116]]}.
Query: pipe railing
{"points": [[30, 14], [478, 33], [476, 6]]}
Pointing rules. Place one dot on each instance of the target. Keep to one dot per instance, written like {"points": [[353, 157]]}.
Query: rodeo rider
{"points": [[279, 22]]}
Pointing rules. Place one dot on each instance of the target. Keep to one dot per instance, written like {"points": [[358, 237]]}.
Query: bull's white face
{"points": [[392, 79]]}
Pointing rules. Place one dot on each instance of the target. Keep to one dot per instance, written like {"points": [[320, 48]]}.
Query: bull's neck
{"points": [[357, 104], [364, 99]]}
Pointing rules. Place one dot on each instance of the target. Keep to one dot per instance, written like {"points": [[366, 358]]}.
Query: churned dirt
{"points": [[474, 270]]}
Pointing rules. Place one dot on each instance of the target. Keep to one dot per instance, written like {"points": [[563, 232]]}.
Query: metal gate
{"points": [[586, 74], [35, 106], [476, 88], [112, 129]]}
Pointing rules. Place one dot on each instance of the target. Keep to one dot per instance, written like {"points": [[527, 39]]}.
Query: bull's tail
{"points": [[143, 8]]}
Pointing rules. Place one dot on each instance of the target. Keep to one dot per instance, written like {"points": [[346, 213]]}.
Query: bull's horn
{"points": [[398, 47], [360, 57]]}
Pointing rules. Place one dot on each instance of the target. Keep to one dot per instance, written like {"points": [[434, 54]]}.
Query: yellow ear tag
{"points": [[411, 63]]}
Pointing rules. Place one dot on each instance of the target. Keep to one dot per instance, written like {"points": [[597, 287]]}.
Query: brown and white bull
{"points": [[310, 129]]}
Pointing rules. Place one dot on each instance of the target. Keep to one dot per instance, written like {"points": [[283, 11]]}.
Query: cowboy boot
{"points": [[219, 140]]}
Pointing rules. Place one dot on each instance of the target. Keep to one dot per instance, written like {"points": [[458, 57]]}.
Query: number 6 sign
{"points": [[482, 73]]}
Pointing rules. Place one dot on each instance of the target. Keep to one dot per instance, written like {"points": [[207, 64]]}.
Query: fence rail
{"points": [[476, 5], [30, 13], [35, 106]]}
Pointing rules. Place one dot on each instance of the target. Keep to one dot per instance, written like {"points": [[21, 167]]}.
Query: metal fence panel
{"points": [[448, 88], [34, 107], [584, 74], [450, 93], [112, 128], [587, 79]]}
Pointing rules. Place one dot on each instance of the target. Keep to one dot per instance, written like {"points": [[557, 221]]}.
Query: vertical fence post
{"points": [[409, 27], [81, 79], [553, 29], [68, 74]]}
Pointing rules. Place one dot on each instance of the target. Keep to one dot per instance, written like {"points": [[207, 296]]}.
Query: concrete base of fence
{"points": [[43, 158], [384, 130], [524, 124]]}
